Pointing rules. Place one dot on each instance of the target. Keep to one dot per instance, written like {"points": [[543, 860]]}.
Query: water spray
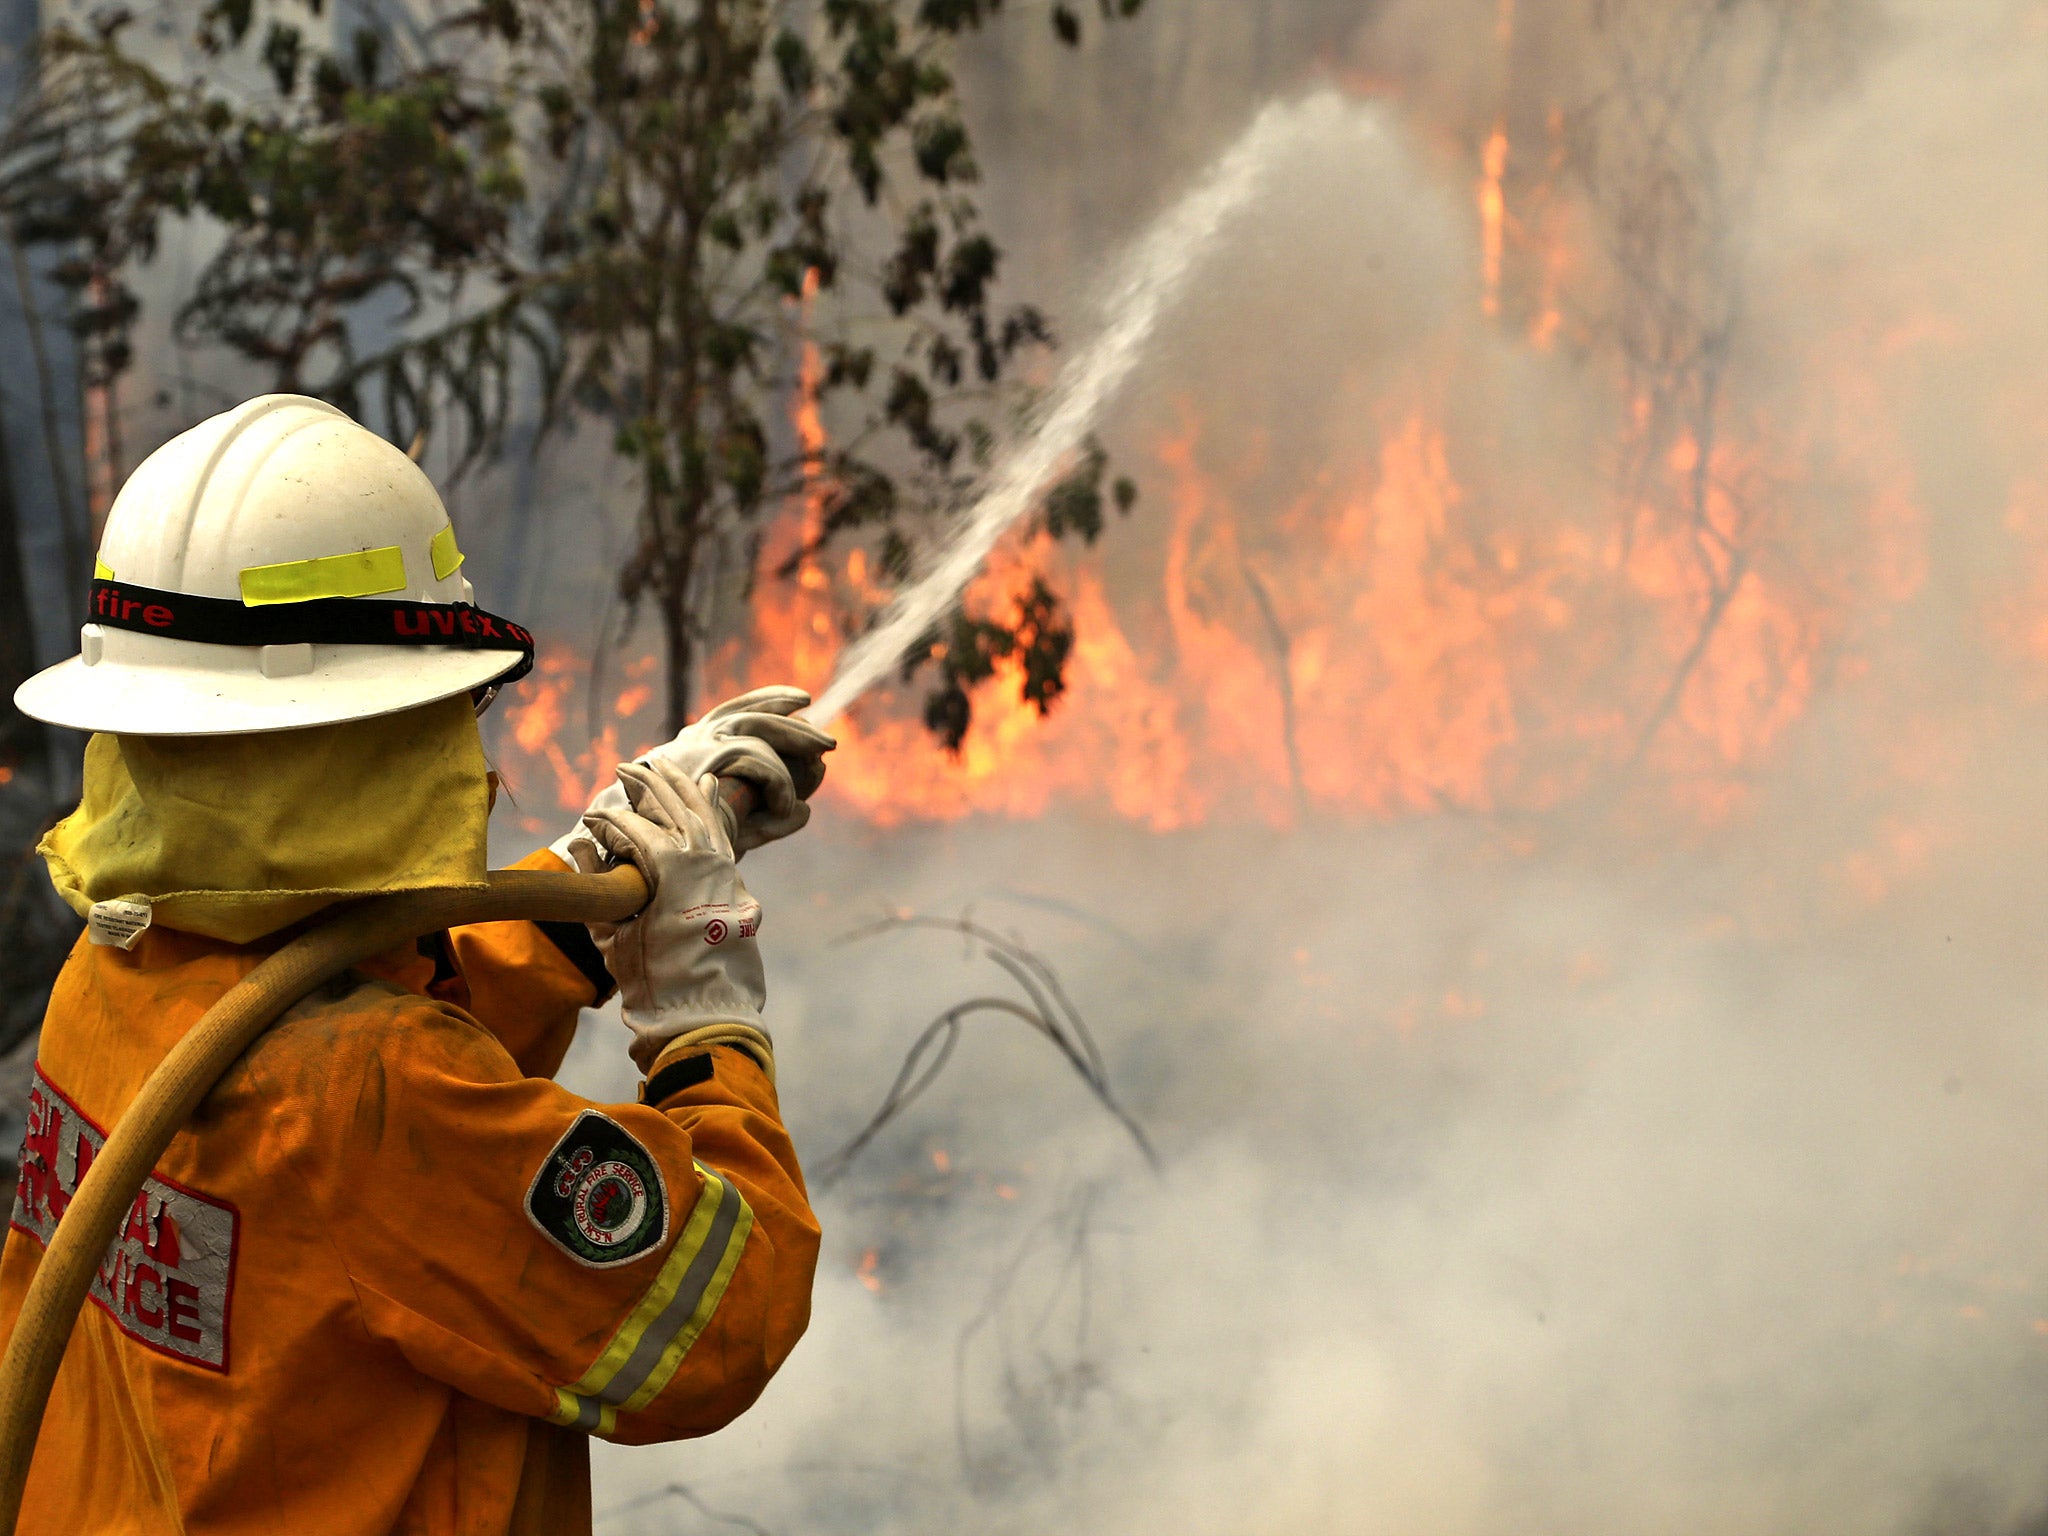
{"points": [[1146, 283]]}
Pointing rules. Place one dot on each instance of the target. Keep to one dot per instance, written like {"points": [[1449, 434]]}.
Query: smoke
{"points": [[1603, 1163], [1571, 1190]]}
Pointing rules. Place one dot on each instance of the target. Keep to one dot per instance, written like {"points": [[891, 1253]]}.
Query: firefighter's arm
{"points": [[528, 982], [726, 1104], [638, 1271]]}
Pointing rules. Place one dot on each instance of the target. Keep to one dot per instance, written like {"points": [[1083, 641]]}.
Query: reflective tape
{"points": [[643, 1356], [101, 570], [366, 573], [447, 558], [584, 1413]]}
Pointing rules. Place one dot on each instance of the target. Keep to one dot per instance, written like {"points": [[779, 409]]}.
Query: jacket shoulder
{"points": [[357, 1027]]}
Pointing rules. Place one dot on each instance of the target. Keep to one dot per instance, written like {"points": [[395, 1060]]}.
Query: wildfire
{"points": [[1383, 646], [532, 754], [1412, 627]]}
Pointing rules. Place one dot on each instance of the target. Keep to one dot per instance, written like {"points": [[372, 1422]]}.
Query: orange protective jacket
{"points": [[391, 1276]]}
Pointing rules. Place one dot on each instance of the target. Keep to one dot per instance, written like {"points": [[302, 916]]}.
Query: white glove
{"points": [[689, 958], [752, 738]]}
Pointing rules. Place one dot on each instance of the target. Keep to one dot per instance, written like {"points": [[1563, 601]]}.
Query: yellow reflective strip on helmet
{"points": [[362, 574], [101, 570], [447, 558]]}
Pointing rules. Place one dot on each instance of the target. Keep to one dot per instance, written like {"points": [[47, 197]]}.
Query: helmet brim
{"points": [[353, 682]]}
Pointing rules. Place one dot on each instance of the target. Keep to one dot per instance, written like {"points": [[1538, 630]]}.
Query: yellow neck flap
{"points": [[235, 837]]}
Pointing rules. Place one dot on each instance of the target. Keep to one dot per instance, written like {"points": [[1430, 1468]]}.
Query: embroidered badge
{"points": [[169, 1276], [599, 1196]]}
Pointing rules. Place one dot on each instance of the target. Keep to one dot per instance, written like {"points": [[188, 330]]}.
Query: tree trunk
{"points": [[20, 737], [681, 656], [35, 928]]}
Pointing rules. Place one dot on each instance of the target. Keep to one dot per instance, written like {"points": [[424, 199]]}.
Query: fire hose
{"points": [[202, 1058]]}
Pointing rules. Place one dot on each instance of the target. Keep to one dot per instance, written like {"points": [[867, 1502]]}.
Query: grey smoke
{"points": [[1601, 1172]]}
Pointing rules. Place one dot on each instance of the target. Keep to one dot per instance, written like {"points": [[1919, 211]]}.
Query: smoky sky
{"points": [[1599, 1167]]}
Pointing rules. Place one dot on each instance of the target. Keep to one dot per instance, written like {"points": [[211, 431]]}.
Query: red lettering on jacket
{"points": [[138, 1220], [139, 1305], [167, 1279], [165, 1248], [183, 1299], [40, 1187]]}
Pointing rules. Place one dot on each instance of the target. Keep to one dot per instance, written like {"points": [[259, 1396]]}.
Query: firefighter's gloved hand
{"points": [[753, 738], [689, 959]]}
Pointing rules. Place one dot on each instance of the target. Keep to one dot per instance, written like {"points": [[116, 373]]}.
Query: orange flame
{"points": [[1386, 646], [1412, 629], [1493, 212]]}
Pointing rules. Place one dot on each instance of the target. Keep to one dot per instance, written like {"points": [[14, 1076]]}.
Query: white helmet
{"points": [[275, 566]]}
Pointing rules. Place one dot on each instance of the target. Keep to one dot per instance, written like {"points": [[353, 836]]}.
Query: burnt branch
{"points": [[1283, 658], [1048, 1012], [1046, 1380], [689, 1496]]}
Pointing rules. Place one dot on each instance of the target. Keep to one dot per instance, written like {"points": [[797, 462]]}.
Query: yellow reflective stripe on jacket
{"points": [[670, 1359], [447, 558], [648, 1348], [584, 1413], [365, 573]]}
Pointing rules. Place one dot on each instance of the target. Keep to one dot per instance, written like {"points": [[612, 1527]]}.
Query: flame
{"points": [[2021, 623], [1556, 248], [794, 629], [1409, 664], [1492, 217], [1385, 647], [1388, 644], [1410, 628], [531, 756]]}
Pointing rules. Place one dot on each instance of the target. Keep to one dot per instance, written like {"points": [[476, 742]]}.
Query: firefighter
{"points": [[391, 1277]]}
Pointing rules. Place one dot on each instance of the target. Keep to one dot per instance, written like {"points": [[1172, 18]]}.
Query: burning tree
{"points": [[1669, 143], [672, 218]]}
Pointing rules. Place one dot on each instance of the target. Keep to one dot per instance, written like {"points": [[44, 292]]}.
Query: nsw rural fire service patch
{"points": [[599, 1196]]}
